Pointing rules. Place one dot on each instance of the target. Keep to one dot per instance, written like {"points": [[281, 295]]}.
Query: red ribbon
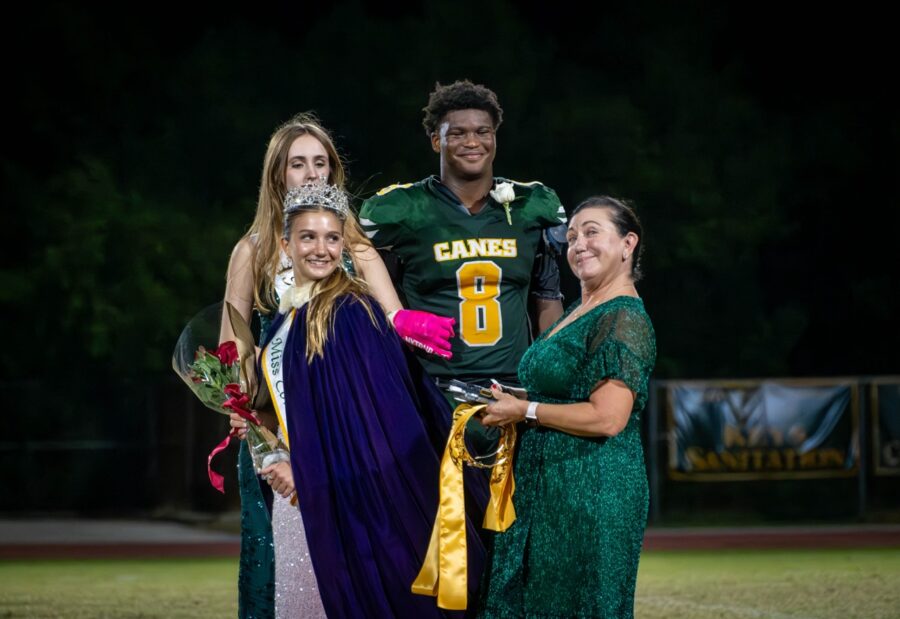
{"points": [[237, 402], [216, 479]]}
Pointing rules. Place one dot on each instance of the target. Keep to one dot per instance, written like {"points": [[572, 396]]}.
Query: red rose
{"points": [[227, 353], [233, 390]]}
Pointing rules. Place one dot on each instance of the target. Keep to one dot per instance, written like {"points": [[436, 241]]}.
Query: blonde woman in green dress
{"points": [[581, 486]]}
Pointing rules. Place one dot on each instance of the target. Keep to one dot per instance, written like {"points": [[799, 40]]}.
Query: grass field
{"points": [[820, 584], [776, 584], [119, 589]]}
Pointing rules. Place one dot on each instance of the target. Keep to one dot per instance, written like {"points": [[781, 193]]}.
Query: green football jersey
{"points": [[475, 268]]}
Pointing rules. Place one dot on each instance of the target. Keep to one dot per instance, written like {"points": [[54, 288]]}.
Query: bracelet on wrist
{"points": [[531, 413]]}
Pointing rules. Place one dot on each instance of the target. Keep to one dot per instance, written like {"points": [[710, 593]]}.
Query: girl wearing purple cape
{"points": [[366, 425]]}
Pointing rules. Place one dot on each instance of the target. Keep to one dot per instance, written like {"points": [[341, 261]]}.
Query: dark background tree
{"points": [[759, 143]]}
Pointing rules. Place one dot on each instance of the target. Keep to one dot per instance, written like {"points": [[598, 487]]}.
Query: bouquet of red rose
{"points": [[224, 380]]}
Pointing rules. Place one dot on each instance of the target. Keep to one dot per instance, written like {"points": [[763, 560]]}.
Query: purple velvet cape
{"points": [[367, 428]]}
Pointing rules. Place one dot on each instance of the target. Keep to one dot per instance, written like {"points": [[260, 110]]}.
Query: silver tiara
{"points": [[317, 194]]}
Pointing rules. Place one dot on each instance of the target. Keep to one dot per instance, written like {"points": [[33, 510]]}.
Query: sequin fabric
{"points": [[581, 503], [256, 573], [296, 593]]}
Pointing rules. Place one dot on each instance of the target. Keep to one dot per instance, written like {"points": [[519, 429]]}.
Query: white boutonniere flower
{"points": [[504, 193]]}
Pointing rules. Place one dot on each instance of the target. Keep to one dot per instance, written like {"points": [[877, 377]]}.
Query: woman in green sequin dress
{"points": [[581, 487]]}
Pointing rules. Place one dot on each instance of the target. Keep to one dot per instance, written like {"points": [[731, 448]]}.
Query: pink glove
{"points": [[425, 330]]}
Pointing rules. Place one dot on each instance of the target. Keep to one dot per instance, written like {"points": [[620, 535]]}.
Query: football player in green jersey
{"points": [[471, 245]]}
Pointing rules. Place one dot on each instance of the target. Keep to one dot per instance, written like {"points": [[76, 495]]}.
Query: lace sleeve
{"points": [[622, 347]]}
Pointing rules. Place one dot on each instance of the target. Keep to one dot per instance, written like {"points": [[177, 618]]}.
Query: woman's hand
{"points": [[268, 419], [238, 422], [280, 477], [506, 409]]}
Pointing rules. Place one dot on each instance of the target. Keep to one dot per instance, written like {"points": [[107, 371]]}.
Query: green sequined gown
{"points": [[581, 503]]}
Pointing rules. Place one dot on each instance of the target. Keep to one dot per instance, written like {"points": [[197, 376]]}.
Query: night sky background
{"points": [[759, 143]]}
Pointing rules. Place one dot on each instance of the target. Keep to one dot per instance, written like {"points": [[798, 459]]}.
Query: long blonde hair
{"points": [[267, 224], [327, 293]]}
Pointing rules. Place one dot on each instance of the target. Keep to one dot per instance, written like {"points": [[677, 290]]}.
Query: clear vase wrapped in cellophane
{"points": [[224, 379]]}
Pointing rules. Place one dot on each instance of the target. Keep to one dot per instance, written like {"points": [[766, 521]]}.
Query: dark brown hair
{"points": [[625, 220]]}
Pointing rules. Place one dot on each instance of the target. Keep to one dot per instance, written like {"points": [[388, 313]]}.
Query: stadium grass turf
{"points": [[776, 584], [737, 584], [126, 589]]}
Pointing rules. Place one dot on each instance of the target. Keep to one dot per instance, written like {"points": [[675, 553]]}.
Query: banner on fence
{"points": [[763, 430], [886, 427]]}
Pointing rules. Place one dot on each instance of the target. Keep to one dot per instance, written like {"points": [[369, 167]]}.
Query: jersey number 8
{"points": [[478, 285]]}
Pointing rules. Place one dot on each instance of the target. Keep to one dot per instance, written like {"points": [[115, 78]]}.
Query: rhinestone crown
{"points": [[318, 194]]}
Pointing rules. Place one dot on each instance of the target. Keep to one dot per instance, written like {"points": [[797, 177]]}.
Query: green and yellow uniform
{"points": [[476, 268]]}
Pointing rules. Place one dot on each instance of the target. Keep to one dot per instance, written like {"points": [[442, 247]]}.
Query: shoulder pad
{"points": [[555, 238]]}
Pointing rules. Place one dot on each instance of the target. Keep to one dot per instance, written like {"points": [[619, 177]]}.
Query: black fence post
{"points": [[862, 446], [653, 456], [151, 443], [189, 450]]}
